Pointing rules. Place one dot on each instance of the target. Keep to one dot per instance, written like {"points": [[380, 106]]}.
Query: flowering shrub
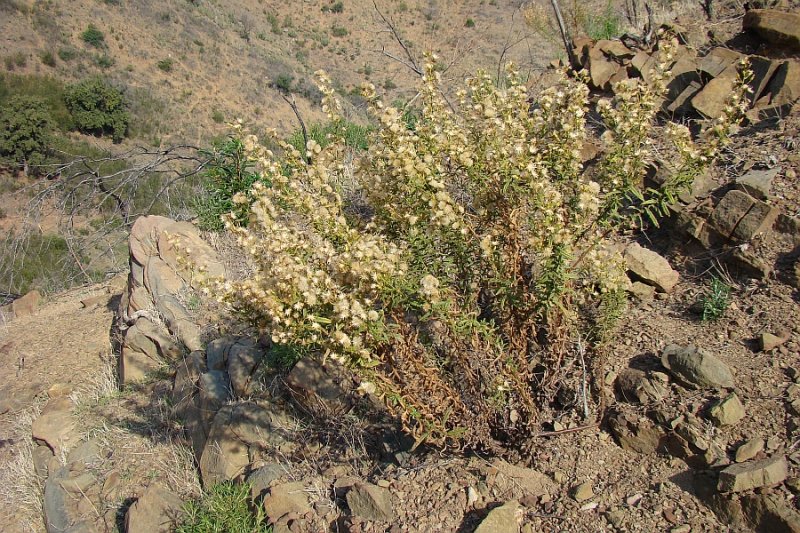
{"points": [[479, 282]]}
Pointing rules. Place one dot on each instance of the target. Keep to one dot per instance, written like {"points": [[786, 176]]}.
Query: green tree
{"points": [[98, 108], [26, 129]]}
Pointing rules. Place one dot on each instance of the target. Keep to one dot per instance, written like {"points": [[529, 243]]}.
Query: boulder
{"points": [[160, 279], [601, 69], [770, 512], [182, 248], [370, 502], [284, 499], [716, 61], [650, 267], [779, 28], [244, 357], [740, 217], [784, 88], [712, 99], [503, 519], [217, 352], [27, 304], [143, 241], [158, 510], [55, 425], [235, 430], [752, 475], [696, 367], [314, 389], [261, 479], [179, 321]]}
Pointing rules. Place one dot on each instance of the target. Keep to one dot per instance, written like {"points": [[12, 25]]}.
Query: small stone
{"points": [[758, 183], [637, 386], [696, 367], [559, 477], [685, 528], [650, 267], [284, 499], [472, 497], [749, 449], [642, 291], [790, 174], [634, 500], [727, 411], [383, 483], [615, 518], [769, 342], [370, 502], [752, 475], [583, 492], [503, 519], [158, 510], [774, 442]]}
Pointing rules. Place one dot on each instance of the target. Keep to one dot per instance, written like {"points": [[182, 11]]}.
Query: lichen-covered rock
{"points": [[696, 368]]}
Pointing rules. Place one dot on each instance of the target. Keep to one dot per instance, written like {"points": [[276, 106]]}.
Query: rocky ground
{"points": [[700, 432]]}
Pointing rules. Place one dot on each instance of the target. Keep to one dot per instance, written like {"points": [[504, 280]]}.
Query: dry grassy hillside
{"points": [[191, 66]]}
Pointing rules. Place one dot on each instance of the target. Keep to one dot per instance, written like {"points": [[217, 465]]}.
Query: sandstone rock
{"points": [[55, 425], [187, 375], [179, 322], [235, 430], [695, 367], [583, 492], [710, 102], [758, 183], [770, 512], [370, 502], [690, 441], [86, 453], [727, 411], [244, 357], [636, 386], [135, 366], [41, 456], [749, 449], [27, 304], [138, 299], [776, 27], [638, 434], [768, 341], [717, 60], [684, 73], [261, 479], [530, 481], [284, 499], [784, 88], [157, 511], [642, 291], [752, 475], [143, 241], [503, 519], [314, 390], [59, 514], [650, 267], [614, 48], [681, 104], [160, 279], [184, 240], [217, 352], [601, 69]]}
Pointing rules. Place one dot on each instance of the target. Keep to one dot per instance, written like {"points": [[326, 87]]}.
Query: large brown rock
{"points": [[157, 511], [370, 502], [182, 248], [712, 99], [776, 27], [503, 519], [739, 216], [752, 475], [27, 304], [145, 232], [55, 425]]}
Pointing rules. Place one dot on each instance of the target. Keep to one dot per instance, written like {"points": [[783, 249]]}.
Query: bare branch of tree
{"points": [[293, 104], [565, 37], [412, 62]]}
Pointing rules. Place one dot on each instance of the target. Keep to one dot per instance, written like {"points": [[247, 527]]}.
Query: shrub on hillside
{"points": [[26, 130], [93, 37], [98, 108], [479, 282], [229, 172]]}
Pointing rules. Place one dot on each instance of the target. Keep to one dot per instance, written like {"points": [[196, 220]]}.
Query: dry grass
{"points": [[20, 487]]}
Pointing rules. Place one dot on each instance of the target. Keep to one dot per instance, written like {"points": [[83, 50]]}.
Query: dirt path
{"points": [[62, 343]]}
